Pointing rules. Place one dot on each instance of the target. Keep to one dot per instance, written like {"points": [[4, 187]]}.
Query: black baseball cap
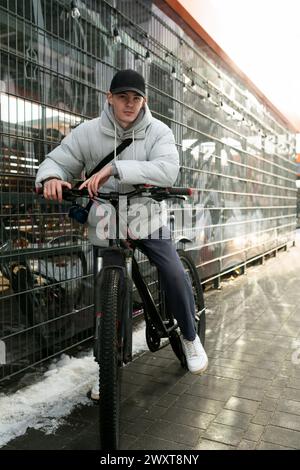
{"points": [[128, 80]]}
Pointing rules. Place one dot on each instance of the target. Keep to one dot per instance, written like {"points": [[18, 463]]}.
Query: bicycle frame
{"points": [[118, 255], [122, 257]]}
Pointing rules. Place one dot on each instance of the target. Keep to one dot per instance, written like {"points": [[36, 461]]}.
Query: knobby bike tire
{"points": [[191, 270], [109, 358]]}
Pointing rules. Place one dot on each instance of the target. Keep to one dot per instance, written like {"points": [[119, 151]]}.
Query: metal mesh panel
{"points": [[54, 72]]}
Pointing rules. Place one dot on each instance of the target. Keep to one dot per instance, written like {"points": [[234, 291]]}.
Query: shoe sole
{"points": [[94, 397], [91, 396], [199, 372]]}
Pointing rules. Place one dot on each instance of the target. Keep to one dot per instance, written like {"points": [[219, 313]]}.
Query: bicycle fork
{"points": [[114, 258]]}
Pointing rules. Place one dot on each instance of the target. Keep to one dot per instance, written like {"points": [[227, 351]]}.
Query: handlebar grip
{"points": [[181, 191], [40, 190], [65, 192]]}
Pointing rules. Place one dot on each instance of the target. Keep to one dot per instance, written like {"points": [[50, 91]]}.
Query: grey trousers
{"points": [[178, 289]]}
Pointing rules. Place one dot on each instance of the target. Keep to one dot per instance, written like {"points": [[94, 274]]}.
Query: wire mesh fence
{"points": [[54, 72]]}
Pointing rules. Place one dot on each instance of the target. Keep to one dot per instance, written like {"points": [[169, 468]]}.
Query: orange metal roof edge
{"points": [[183, 18]]}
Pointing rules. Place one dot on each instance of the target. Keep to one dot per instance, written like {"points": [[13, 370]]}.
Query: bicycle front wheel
{"points": [[110, 357]]}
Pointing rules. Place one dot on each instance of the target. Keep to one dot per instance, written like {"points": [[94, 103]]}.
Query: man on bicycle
{"points": [[151, 158]]}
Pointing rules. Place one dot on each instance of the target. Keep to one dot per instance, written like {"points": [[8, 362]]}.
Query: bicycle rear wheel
{"points": [[192, 272], [110, 357]]}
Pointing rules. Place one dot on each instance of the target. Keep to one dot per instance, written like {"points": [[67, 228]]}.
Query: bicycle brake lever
{"points": [[184, 198]]}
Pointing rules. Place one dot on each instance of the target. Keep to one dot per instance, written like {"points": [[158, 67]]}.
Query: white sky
{"points": [[263, 38]]}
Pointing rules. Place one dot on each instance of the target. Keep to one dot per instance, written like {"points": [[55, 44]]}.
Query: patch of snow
{"points": [[63, 386]]}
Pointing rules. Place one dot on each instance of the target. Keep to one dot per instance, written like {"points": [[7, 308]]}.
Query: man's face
{"points": [[126, 106]]}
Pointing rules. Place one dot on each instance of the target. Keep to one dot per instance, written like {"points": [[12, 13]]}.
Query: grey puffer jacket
{"points": [[152, 158]]}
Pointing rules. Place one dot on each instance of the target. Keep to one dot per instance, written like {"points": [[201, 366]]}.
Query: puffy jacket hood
{"points": [[111, 127]]}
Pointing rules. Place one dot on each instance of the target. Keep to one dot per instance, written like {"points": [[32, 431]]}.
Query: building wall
{"points": [[235, 153]]}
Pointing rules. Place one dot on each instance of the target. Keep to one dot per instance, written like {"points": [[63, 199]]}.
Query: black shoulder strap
{"points": [[110, 156]]}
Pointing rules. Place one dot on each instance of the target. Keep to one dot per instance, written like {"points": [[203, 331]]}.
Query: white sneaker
{"points": [[95, 390], [195, 355]]}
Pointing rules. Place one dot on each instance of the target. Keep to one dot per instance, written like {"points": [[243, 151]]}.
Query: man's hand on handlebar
{"points": [[97, 180], [53, 189]]}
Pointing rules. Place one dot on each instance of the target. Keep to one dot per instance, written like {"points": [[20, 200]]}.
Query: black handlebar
{"points": [[151, 191]]}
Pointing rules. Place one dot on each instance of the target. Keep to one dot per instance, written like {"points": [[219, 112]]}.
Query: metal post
{"points": [[217, 283]]}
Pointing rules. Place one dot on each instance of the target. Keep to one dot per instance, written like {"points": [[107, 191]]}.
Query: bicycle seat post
{"points": [[117, 208]]}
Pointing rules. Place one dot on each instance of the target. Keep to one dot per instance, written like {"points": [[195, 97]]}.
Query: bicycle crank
{"points": [[152, 338], [177, 348]]}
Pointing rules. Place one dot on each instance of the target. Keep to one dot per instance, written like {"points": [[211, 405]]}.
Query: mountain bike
{"points": [[115, 271]]}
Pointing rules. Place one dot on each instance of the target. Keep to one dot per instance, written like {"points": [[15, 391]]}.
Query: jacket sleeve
{"points": [[160, 170], [65, 162]]}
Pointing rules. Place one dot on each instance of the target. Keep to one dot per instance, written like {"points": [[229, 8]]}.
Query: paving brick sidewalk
{"points": [[248, 399]]}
